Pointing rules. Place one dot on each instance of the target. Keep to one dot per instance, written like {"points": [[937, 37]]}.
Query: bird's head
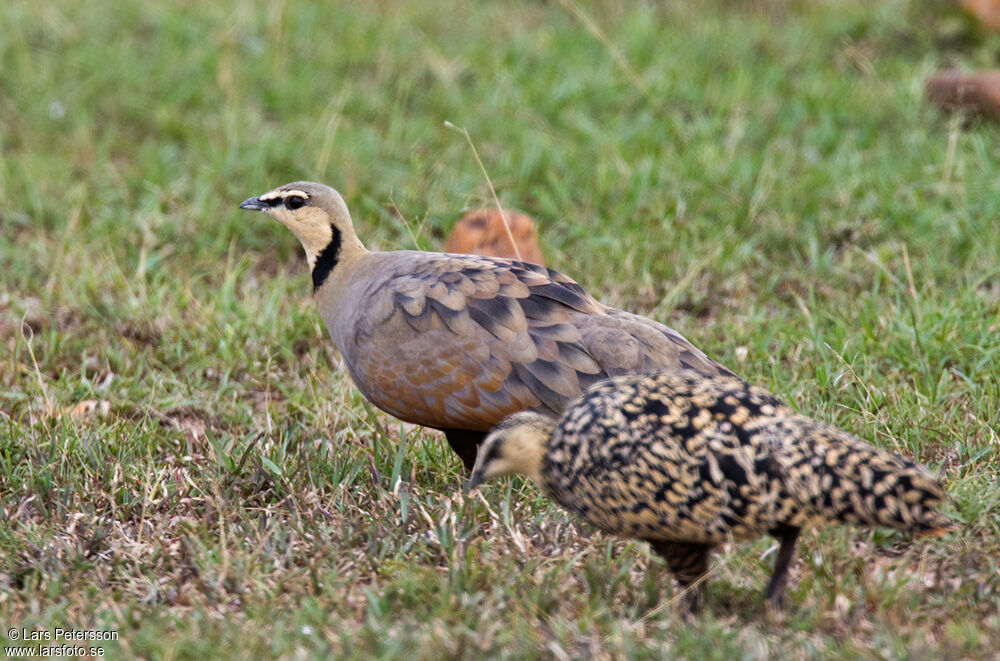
{"points": [[515, 446], [317, 216]]}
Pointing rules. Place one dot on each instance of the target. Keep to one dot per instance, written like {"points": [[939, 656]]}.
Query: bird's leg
{"points": [[465, 443], [688, 562], [776, 587]]}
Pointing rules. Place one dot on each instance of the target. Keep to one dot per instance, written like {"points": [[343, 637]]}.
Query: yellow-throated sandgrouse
{"points": [[457, 342], [687, 461]]}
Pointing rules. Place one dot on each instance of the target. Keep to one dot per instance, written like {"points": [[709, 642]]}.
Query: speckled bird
{"points": [[687, 461], [457, 342]]}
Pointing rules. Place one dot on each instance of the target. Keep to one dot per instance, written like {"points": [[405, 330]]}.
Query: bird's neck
{"points": [[530, 448], [339, 250], [531, 465]]}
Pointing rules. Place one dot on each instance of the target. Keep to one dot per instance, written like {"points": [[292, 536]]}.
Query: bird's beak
{"points": [[252, 203], [474, 481]]}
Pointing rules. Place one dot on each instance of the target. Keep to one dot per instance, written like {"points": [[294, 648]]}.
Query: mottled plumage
{"points": [[687, 461], [457, 342]]}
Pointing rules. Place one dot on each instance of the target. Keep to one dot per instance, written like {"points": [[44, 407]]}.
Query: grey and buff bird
{"points": [[687, 462], [457, 342]]}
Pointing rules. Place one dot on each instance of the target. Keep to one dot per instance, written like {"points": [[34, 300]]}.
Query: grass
{"points": [[762, 176]]}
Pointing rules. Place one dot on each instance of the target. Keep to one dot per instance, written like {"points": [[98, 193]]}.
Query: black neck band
{"points": [[326, 259]]}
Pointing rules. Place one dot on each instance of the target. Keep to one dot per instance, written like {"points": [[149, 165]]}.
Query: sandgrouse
{"points": [[457, 342], [687, 461]]}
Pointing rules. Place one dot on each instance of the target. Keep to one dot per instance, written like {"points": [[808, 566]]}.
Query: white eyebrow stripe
{"points": [[282, 194]]}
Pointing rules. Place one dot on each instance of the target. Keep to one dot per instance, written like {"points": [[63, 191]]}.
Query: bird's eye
{"points": [[294, 202]]}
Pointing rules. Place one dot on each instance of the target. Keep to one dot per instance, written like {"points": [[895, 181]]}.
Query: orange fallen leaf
{"points": [[482, 232]]}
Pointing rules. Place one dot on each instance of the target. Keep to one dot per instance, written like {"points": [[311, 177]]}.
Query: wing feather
{"points": [[460, 341]]}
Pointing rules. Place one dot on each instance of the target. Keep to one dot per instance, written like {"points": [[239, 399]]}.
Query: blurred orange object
{"points": [[482, 232], [986, 12], [978, 94]]}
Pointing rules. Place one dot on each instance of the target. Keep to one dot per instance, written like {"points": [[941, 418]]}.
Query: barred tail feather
{"points": [[842, 479], [936, 524]]}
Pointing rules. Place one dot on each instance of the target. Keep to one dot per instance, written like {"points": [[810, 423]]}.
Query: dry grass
{"points": [[183, 461]]}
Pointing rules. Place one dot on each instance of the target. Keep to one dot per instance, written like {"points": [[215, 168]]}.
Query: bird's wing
{"points": [[459, 341]]}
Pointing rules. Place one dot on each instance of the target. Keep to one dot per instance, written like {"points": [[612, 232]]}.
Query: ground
{"points": [[184, 461]]}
